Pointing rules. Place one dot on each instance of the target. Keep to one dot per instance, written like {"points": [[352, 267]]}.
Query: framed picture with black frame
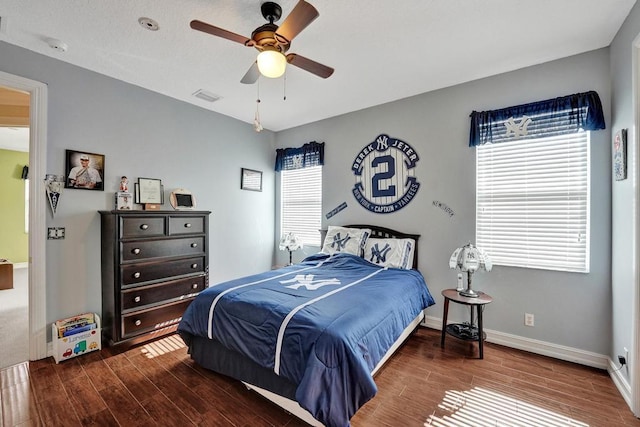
{"points": [[251, 180], [84, 170]]}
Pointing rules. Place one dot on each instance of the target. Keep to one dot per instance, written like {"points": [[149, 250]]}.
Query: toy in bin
{"points": [[76, 335]]}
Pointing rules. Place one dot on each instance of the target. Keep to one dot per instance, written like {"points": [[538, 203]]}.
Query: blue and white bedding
{"points": [[323, 324]]}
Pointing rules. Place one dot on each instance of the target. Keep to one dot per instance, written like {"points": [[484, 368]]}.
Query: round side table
{"points": [[463, 331]]}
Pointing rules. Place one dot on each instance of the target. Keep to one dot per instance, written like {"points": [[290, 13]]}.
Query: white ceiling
{"points": [[381, 50]]}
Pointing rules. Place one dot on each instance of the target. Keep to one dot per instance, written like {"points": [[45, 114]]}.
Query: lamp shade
{"points": [[290, 242], [271, 63], [470, 259]]}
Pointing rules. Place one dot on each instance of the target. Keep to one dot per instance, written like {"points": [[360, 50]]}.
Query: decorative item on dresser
{"points": [[153, 265]]}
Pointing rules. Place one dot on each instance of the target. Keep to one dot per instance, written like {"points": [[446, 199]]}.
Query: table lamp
{"points": [[470, 259], [290, 242]]}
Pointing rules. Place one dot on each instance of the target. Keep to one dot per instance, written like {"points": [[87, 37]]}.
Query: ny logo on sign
{"points": [[306, 281], [385, 175]]}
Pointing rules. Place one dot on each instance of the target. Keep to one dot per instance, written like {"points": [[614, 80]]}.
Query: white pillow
{"points": [[396, 253], [345, 240]]}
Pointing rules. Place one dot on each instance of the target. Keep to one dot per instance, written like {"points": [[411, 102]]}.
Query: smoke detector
{"points": [[57, 45]]}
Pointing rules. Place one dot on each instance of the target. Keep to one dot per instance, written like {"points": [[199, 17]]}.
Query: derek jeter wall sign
{"points": [[385, 175]]}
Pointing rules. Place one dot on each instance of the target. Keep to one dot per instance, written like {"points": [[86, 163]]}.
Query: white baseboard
{"points": [[535, 346], [620, 381]]}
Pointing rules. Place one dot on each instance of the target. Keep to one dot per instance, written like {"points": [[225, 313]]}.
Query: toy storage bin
{"points": [[76, 335]]}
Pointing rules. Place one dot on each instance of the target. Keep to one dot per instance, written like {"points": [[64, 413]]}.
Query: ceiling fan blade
{"points": [[300, 17], [252, 75], [309, 65], [216, 31]]}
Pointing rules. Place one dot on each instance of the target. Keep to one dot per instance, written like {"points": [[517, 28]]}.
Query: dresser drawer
{"points": [[144, 249], [142, 226], [186, 225], [142, 296], [148, 320], [138, 273]]}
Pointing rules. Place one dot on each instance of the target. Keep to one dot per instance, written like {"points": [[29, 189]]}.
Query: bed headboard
{"points": [[382, 233]]}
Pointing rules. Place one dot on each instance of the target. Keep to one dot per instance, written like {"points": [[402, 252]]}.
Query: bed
{"points": [[310, 336]]}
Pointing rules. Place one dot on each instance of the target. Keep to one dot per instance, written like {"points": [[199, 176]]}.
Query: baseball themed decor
{"points": [[385, 175]]}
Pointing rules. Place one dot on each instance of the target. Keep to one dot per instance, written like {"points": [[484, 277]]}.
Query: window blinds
{"points": [[302, 203], [532, 202]]}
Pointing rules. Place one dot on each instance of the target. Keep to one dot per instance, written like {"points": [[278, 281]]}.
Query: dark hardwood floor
{"points": [[422, 385]]}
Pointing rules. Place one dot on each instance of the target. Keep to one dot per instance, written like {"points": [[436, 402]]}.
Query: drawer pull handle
{"points": [[138, 322], [136, 251], [187, 225], [136, 275], [144, 226], [194, 245], [194, 286], [194, 265], [136, 299]]}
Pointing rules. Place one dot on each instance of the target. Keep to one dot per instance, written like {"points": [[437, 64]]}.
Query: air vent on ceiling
{"points": [[206, 96]]}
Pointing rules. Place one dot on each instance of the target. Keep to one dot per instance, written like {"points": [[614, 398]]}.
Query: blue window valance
{"points": [[310, 154], [559, 116]]}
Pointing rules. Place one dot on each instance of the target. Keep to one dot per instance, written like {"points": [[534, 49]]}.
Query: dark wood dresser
{"points": [[153, 264]]}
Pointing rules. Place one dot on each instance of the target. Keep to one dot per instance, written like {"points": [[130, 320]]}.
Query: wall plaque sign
{"points": [[385, 175]]}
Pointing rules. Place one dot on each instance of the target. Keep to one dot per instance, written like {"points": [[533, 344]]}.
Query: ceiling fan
{"points": [[273, 41]]}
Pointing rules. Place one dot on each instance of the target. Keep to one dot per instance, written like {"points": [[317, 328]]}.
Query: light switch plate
{"points": [[55, 233]]}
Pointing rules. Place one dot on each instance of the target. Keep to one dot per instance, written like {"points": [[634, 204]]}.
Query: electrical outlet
{"points": [[528, 319]]}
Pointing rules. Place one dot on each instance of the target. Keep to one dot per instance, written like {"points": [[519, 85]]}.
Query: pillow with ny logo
{"points": [[345, 240], [394, 253]]}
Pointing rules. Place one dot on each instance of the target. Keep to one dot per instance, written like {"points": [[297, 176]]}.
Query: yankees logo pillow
{"points": [[395, 253], [345, 240]]}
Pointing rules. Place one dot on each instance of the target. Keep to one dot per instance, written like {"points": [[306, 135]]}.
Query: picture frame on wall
{"points": [[84, 170], [251, 180], [620, 155]]}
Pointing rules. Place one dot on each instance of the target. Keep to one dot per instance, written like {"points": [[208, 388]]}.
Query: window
{"points": [[301, 191], [532, 171], [532, 202]]}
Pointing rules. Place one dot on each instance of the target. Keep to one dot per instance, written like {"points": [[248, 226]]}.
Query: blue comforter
{"points": [[323, 324]]}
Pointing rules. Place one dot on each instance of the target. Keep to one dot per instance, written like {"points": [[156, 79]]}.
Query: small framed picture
{"points": [[251, 180], [84, 170], [124, 200], [150, 190], [620, 154]]}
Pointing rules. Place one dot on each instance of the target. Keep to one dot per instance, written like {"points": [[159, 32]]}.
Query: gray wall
{"points": [[571, 309], [624, 230], [144, 134]]}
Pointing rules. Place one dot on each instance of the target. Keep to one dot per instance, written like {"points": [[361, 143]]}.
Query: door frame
{"points": [[634, 356], [37, 209]]}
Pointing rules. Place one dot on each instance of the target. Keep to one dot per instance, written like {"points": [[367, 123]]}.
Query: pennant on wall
{"points": [[53, 185]]}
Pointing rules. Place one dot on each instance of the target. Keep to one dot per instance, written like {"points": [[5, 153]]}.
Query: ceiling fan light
{"points": [[271, 63]]}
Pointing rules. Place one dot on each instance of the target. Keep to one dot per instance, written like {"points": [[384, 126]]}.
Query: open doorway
{"points": [[14, 227], [36, 266]]}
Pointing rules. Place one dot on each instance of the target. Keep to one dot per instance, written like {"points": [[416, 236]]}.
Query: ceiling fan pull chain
{"points": [[284, 90], [257, 126]]}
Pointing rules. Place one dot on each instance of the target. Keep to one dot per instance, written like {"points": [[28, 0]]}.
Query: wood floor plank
{"points": [[423, 384], [124, 407]]}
